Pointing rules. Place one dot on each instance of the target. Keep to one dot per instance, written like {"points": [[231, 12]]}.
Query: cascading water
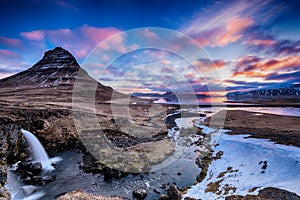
{"points": [[38, 152], [16, 189]]}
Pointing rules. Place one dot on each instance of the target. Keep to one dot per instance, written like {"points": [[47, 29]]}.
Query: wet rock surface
{"points": [[30, 173]]}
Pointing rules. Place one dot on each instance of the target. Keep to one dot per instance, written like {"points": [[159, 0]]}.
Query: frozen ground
{"points": [[247, 164]]}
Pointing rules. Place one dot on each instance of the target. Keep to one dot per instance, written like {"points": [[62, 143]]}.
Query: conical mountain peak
{"points": [[56, 58]]}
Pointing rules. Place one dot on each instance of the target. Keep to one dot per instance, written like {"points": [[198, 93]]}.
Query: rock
{"points": [[140, 193], [163, 197], [202, 115], [29, 189], [48, 178], [24, 165], [163, 186], [77, 194], [156, 191], [36, 180], [10, 149], [269, 193], [199, 162], [174, 193], [36, 168], [4, 194]]}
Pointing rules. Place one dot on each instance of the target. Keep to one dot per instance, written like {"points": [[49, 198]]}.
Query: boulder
{"points": [[36, 168], [140, 194], [174, 193]]}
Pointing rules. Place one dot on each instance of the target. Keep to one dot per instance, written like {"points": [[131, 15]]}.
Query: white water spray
{"points": [[38, 152]]}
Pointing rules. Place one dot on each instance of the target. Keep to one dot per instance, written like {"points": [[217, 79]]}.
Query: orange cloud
{"points": [[234, 28], [202, 41], [248, 74], [254, 67], [258, 42], [220, 63]]}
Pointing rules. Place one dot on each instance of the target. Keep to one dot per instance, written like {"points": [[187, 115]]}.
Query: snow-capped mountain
{"points": [[53, 78], [274, 92]]}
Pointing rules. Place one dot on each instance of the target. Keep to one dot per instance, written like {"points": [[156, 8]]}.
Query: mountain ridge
{"points": [[268, 92]]}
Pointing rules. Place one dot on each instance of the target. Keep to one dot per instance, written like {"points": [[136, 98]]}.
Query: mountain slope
{"points": [[51, 79]]}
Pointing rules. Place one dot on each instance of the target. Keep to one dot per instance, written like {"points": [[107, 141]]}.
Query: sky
{"points": [[241, 45]]}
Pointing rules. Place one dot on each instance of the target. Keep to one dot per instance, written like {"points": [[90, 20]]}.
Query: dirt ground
{"points": [[278, 128]]}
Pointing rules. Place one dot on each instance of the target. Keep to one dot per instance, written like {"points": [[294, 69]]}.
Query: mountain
{"points": [[51, 79], [274, 92]]}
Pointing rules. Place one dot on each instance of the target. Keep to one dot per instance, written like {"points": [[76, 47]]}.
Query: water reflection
{"points": [[200, 101]]}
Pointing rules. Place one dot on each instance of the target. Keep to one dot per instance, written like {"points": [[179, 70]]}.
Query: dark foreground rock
{"points": [[140, 194]]}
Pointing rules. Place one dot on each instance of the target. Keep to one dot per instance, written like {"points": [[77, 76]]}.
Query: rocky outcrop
{"points": [[10, 150], [54, 127], [79, 195], [173, 193], [269, 193]]}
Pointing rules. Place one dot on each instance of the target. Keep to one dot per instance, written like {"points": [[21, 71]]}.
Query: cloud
{"points": [[8, 54], [261, 42], [267, 44], [10, 42], [147, 33], [66, 5], [220, 63], [293, 76], [34, 35], [11, 62], [248, 74], [251, 66], [79, 41], [234, 28], [225, 23]]}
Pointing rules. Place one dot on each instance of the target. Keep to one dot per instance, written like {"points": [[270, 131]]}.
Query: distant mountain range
{"points": [[52, 79], [271, 92]]}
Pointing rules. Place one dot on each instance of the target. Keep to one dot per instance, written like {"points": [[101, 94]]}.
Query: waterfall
{"points": [[15, 187], [38, 152]]}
